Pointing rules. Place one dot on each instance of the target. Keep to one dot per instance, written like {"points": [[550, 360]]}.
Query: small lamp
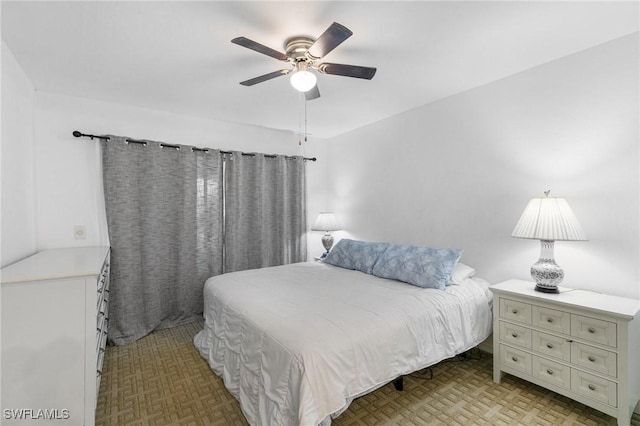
{"points": [[302, 79], [548, 219], [326, 221]]}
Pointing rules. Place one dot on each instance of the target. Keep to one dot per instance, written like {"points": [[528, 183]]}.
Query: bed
{"points": [[295, 344]]}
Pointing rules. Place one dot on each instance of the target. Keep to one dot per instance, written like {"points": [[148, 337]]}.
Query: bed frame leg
{"points": [[398, 383]]}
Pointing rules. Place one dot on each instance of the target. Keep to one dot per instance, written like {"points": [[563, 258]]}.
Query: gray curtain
{"points": [[165, 218], [265, 211]]}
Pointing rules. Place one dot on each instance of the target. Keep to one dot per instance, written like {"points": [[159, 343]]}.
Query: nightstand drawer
{"points": [[594, 387], [515, 359], [515, 311], [515, 335], [552, 346], [595, 359], [594, 330], [552, 372], [551, 319]]}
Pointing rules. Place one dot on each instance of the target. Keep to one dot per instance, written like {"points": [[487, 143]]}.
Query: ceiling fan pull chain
{"points": [[300, 95], [305, 118]]}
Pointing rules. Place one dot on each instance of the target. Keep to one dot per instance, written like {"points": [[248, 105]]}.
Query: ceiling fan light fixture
{"points": [[303, 80]]}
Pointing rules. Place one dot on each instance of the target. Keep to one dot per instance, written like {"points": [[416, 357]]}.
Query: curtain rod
{"points": [[78, 134]]}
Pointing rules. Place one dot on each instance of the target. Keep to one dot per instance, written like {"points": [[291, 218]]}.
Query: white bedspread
{"points": [[296, 343]]}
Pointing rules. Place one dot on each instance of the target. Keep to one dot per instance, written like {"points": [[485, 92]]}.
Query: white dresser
{"points": [[580, 344], [54, 326]]}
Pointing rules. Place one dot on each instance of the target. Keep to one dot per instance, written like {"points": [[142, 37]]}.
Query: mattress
{"points": [[296, 343]]}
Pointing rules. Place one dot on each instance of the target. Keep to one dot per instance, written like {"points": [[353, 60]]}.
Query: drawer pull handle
{"points": [[549, 371], [549, 320], [514, 335], [514, 358], [591, 330], [592, 358], [550, 346], [592, 387], [514, 311]]}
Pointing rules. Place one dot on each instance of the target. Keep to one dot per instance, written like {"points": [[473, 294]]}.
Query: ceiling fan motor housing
{"points": [[296, 47]]}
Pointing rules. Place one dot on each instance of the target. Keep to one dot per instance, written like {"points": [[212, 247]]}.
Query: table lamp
{"points": [[548, 219], [327, 222]]}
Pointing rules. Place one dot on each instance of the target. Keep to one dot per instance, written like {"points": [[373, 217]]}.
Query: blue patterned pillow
{"points": [[421, 266], [357, 255]]}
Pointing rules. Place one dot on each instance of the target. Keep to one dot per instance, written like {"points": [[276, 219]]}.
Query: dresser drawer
{"points": [[103, 277], [599, 360], [515, 335], [515, 359], [594, 330], [594, 387], [515, 311], [549, 345], [551, 319], [101, 319], [101, 283], [552, 372]]}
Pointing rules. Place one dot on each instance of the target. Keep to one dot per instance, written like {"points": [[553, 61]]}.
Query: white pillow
{"points": [[461, 272]]}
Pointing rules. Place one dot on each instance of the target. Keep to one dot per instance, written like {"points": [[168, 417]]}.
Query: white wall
{"points": [[68, 175], [459, 172], [17, 163]]}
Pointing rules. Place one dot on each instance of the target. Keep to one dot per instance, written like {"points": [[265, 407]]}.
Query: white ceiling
{"points": [[177, 56]]}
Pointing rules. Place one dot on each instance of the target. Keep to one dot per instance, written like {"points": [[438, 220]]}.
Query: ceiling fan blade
{"points": [[347, 70], [265, 77], [260, 48], [312, 93], [328, 40]]}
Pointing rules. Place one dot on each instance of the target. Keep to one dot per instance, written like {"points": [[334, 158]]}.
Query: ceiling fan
{"points": [[303, 53]]}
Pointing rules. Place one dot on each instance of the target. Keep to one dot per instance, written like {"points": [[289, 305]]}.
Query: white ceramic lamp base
{"points": [[327, 242], [546, 272]]}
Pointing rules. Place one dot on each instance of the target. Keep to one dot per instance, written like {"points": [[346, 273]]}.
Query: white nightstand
{"points": [[578, 343]]}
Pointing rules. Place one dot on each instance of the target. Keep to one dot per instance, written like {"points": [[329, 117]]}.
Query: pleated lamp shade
{"points": [[549, 219], [326, 221]]}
